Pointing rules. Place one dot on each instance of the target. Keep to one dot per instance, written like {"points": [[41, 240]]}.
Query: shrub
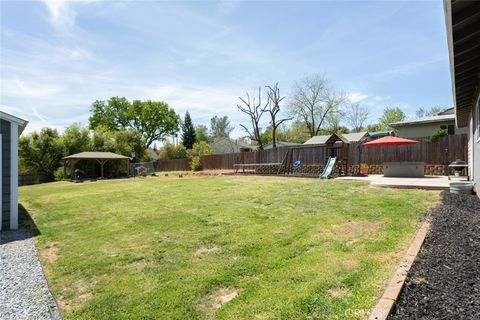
{"points": [[196, 164], [58, 174], [437, 135], [170, 151], [201, 148]]}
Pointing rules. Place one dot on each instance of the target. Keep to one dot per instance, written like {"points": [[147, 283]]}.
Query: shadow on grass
{"points": [[26, 228]]}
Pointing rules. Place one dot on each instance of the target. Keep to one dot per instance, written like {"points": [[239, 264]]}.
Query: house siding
{"points": [[475, 145], [425, 129], [5, 130]]}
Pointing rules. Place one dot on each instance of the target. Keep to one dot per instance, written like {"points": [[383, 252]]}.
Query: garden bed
{"points": [[444, 281]]}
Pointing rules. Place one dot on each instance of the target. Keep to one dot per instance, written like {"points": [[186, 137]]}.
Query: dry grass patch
{"points": [[216, 300], [206, 250], [338, 292], [50, 252]]}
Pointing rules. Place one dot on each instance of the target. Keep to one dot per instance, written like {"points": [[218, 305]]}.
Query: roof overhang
{"points": [[462, 19], [11, 118]]}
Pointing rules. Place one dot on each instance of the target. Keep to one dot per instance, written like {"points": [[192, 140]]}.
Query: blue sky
{"points": [[57, 57]]}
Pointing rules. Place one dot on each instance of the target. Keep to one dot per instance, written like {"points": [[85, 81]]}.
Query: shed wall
{"points": [[6, 169]]}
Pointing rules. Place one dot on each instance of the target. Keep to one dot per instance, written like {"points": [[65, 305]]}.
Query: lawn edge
{"points": [[386, 303]]}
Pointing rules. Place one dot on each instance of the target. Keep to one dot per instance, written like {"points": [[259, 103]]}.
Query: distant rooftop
{"points": [[435, 118]]}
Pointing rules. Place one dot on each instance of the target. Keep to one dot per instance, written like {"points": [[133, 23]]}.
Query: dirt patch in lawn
{"points": [[338, 292], [83, 295], [216, 300], [206, 250], [50, 252], [356, 227]]}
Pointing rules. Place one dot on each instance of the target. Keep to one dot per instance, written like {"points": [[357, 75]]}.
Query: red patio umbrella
{"points": [[389, 141]]}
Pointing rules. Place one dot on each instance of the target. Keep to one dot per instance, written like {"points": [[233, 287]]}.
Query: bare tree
{"points": [[313, 100], [356, 116], [254, 110], [273, 108]]}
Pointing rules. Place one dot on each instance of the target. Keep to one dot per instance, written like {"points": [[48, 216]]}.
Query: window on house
{"points": [[450, 128]]}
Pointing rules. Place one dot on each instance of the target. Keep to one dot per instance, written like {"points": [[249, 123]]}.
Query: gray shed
{"points": [[10, 128]]}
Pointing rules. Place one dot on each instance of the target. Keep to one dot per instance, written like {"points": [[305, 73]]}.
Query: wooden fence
{"points": [[441, 152], [28, 178]]}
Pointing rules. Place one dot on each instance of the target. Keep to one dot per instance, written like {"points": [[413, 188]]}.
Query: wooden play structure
{"points": [[317, 157]]}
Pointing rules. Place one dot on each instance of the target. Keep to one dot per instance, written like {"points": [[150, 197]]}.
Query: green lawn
{"points": [[223, 247]]}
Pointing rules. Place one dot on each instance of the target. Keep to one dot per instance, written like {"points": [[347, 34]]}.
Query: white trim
{"points": [[1, 180], [13, 175], [12, 119]]}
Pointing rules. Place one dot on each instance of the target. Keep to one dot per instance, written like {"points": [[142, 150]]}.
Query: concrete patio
{"points": [[427, 182]]}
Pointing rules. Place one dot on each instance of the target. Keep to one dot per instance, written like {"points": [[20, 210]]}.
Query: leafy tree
{"points": [[374, 127], [172, 151], [76, 139], [127, 142], [200, 149], [313, 100], [391, 115], [356, 115], [333, 125], [155, 120], [41, 151], [201, 133], [188, 132], [220, 127]]}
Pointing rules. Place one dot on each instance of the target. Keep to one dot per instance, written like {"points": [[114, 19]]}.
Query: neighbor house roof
{"points": [[97, 155], [355, 136], [430, 119], [463, 35], [152, 153], [11, 118]]}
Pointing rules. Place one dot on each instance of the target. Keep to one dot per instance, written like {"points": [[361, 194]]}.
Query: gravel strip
{"points": [[444, 281], [24, 293]]}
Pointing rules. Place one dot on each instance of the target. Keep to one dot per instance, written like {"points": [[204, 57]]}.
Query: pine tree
{"points": [[188, 132]]}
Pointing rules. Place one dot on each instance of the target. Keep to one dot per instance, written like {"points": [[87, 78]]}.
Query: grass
{"points": [[221, 247]]}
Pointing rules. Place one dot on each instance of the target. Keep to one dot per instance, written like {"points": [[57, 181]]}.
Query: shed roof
{"points": [[97, 155], [11, 118]]}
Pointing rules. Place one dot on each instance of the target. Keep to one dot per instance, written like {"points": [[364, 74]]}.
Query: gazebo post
{"points": [[128, 168], [72, 164]]}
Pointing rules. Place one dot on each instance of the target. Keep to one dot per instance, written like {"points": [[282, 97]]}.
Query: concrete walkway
{"points": [[427, 182]]}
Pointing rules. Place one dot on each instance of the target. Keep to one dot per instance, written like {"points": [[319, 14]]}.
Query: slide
{"points": [[328, 168]]}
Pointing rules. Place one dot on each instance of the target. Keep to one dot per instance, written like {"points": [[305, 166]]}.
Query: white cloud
{"points": [[62, 16], [355, 97]]}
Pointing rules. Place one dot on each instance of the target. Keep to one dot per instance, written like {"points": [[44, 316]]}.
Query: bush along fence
{"points": [[436, 156]]}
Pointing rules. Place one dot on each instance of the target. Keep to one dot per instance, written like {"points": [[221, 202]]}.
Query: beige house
{"points": [[463, 33], [424, 127]]}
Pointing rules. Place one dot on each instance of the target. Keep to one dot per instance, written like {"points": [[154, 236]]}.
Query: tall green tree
{"points": [[220, 127], [201, 133], [41, 151], [389, 116], [188, 132], [155, 120], [76, 139]]}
